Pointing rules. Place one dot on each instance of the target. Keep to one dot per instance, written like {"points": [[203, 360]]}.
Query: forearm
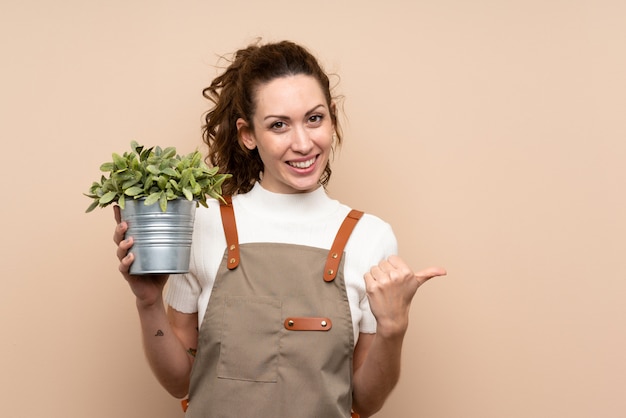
{"points": [[376, 377], [168, 358]]}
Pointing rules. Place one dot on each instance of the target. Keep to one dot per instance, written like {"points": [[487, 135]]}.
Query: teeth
{"points": [[302, 164]]}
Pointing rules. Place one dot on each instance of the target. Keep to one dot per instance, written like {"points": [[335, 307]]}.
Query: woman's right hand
{"points": [[147, 288]]}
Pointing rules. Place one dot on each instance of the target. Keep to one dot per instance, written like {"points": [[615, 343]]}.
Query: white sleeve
{"points": [[182, 292]]}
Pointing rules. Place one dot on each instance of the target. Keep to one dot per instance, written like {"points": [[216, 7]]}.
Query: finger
{"points": [[120, 231], [398, 264], [427, 274], [370, 283], [378, 273], [126, 262], [123, 247], [386, 266]]}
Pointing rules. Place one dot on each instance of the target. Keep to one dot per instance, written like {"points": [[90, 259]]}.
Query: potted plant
{"points": [[157, 191]]}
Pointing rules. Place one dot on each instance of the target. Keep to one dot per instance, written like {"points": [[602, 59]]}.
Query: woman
{"points": [[295, 305]]}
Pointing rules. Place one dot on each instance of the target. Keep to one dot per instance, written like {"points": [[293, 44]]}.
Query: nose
{"points": [[301, 140]]}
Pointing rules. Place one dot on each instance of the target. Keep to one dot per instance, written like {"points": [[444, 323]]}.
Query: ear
{"points": [[245, 134]]}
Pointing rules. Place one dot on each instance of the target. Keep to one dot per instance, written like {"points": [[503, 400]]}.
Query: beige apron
{"points": [[277, 339]]}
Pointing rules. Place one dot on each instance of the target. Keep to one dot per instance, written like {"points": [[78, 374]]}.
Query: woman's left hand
{"points": [[391, 286]]}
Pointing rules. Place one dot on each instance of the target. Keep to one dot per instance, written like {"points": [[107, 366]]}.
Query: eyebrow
{"points": [[285, 117]]}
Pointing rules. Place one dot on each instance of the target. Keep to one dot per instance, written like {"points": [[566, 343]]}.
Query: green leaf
{"points": [[93, 205], [219, 181], [136, 147], [153, 170], [174, 185], [124, 175], [122, 202], [196, 158], [168, 153], [119, 162], [170, 172], [153, 198], [162, 182], [110, 185], [212, 171], [107, 167], [185, 176], [145, 154], [149, 182], [163, 202], [133, 191], [214, 194], [108, 197], [187, 193], [134, 163]]}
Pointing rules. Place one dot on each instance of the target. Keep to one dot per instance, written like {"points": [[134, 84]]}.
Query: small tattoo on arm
{"points": [[192, 352], [159, 333]]}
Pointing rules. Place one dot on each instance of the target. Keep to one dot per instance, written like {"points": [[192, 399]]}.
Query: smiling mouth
{"points": [[302, 164]]}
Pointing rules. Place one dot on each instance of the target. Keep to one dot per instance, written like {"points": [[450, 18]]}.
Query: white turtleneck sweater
{"points": [[311, 219]]}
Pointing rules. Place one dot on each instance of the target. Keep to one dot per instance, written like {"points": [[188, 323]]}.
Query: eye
{"points": [[316, 119], [278, 125]]}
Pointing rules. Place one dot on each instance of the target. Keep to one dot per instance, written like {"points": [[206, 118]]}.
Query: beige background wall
{"points": [[491, 134]]}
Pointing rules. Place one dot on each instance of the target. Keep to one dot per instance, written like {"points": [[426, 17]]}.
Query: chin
{"points": [[305, 187]]}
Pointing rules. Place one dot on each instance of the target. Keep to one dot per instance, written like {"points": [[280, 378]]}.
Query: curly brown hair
{"points": [[233, 96]]}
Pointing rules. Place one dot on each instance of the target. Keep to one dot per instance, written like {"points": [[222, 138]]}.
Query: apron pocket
{"points": [[250, 337]]}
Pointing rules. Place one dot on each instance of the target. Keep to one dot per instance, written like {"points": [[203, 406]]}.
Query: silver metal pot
{"points": [[162, 240]]}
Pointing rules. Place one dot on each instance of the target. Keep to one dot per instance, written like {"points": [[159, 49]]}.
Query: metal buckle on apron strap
{"points": [[308, 324]]}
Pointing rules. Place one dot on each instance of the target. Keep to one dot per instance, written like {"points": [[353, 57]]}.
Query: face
{"points": [[292, 132]]}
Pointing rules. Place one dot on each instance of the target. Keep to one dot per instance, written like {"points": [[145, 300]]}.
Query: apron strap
{"points": [[336, 251], [230, 230], [334, 256]]}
